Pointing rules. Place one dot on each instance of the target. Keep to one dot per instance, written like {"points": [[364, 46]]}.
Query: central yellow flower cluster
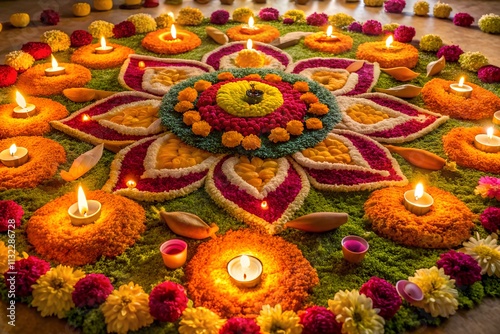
{"points": [[250, 58]]}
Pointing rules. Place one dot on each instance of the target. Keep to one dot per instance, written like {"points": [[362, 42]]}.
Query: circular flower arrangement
{"points": [[162, 42], [447, 224], [87, 57], [321, 42], [225, 118], [262, 33], [47, 110], [34, 81], [53, 235], [286, 279], [459, 146], [45, 156], [398, 55]]}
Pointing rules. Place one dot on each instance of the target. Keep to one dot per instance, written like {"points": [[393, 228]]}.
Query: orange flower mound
{"points": [[188, 94], [231, 138], [286, 279], [47, 110], [251, 142], [399, 55], [263, 33], [309, 98], [224, 76], [161, 42], [295, 127], [201, 128], [183, 106], [279, 135], [320, 42], [301, 86], [34, 81], [318, 109], [438, 97], [87, 57], [45, 156], [53, 235], [273, 78], [446, 225], [314, 124], [190, 117], [202, 85], [459, 146]]}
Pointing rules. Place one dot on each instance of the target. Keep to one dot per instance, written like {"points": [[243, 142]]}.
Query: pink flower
{"points": [[269, 14], [317, 19], [288, 21], [490, 219], [394, 6], [319, 319], [49, 17], [124, 29], [28, 271], [220, 17], [463, 20], [461, 267], [489, 74], [404, 34], [384, 296], [450, 52], [167, 301], [355, 27], [10, 210], [240, 326], [488, 187], [372, 27], [92, 290]]}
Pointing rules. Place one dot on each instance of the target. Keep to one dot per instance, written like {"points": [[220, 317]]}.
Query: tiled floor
{"points": [[481, 320]]}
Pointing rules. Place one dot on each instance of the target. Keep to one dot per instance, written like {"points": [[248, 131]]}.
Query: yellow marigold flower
{"points": [[253, 76], [301, 86], [143, 22], [127, 309], [52, 293], [202, 85], [19, 60], [231, 138], [4, 257], [249, 58], [190, 117], [486, 252], [279, 134], [309, 98], [318, 109], [274, 320], [296, 15], [440, 295], [190, 17], [183, 106], [251, 142], [164, 21], [101, 28], [201, 128], [356, 312], [187, 94], [242, 14], [295, 127], [273, 78], [58, 40], [200, 320], [314, 124]]}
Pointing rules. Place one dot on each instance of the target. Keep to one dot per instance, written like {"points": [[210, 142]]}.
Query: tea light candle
{"points": [[487, 142], [85, 118], [354, 248], [84, 212], [23, 109], [131, 184], [141, 65], [389, 41], [496, 117], [263, 205], [460, 89], [409, 291], [245, 271], [103, 49], [249, 28], [174, 253], [55, 70], [173, 32], [14, 156], [418, 201]]}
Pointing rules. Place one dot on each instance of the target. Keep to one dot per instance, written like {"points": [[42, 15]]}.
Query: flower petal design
{"points": [[270, 208], [405, 123], [138, 163], [371, 167], [367, 74]]}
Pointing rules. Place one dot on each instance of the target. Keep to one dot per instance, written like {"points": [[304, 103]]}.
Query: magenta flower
{"points": [[404, 34], [372, 27], [489, 74], [450, 52], [167, 301], [355, 27], [269, 14], [10, 211], [288, 20], [319, 319], [124, 29], [240, 326], [394, 6], [92, 290], [463, 20], [488, 186], [461, 267], [384, 296], [490, 219], [49, 17], [317, 19], [28, 271], [80, 38], [219, 17]]}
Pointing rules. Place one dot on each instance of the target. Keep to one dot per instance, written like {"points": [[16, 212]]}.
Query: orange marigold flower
{"points": [[279, 134], [320, 42], [201, 128], [301, 86], [190, 117], [251, 142], [223, 76], [309, 98], [314, 124], [318, 109], [87, 57], [158, 42], [295, 127], [262, 33], [187, 94], [231, 138], [253, 76], [183, 106], [202, 85], [399, 55], [273, 78]]}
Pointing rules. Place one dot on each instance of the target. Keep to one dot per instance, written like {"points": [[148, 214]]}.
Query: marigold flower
{"points": [[183, 106], [143, 22], [463, 20], [189, 16], [301, 86], [279, 135], [19, 60], [38, 50], [190, 117], [273, 78], [80, 38], [269, 14], [430, 42], [472, 61], [340, 20], [394, 6], [253, 76], [187, 94], [8, 75], [421, 8], [100, 28], [295, 127], [374, 3], [450, 52], [490, 23], [201, 128], [309, 98], [224, 76], [232, 138], [10, 210], [318, 109], [314, 124], [202, 85], [249, 58], [242, 14], [296, 15], [251, 142], [58, 40], [164, 21], [372, 27], [441, 10]]}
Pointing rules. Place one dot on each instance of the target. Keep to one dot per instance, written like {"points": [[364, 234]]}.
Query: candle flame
{"points": [[54, 62], [249, 44], [83, 207], [131, 184], [141, 64], [419, 191], [251, 22], [263, 205], [103, 42], [245, 262], [389, 41], [20, 100], [461, 82], [85, 118], [13, 149], [173, 31], [171, 15], [489, 132], [329, 31]]}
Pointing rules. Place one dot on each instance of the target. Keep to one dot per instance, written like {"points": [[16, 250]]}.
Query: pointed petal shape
{"points": [[355, 66], [434, 67], [83, 163], [401, 73], [404, 91]]}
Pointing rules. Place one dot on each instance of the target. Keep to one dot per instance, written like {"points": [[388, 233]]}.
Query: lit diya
{"points": [[170, 41], [257, 32], [84, 211], [55, 70], [487, 142], [23, 109], [102, 55], [389, 53], [418, 201], [245, 271], [104, 48], [14, 156], [250, 57], [329, 42], [460, 89]]}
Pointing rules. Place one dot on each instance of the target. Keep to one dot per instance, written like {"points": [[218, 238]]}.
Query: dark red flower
{"points": [[319, 319], [92, 290], [489, 74], [490, 219], [8, 75], [404, 34], [460, 266], [167, 301], [269, 14], [124, 29], [240, 326], [355, 27], [384, 296], [38, 50], [219, 17], [463, 20], [372, 27], [288, 20], [450, 52], [49, 17], [317, 19], [80, 38], [10, 210], [28, 271]]}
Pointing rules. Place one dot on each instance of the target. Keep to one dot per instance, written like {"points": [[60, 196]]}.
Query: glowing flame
{"points": [[83, 207], [489, 132], [20, 100], [263, 205], [329, 31], [131, 184], [141, 64], [389, 41], [13, 149], [171, 15], [85, 118], [251, 22], [419, 191], [173, 31], [245, 262], [54, 62], [249, 44], [103, 42], [461, 82]]}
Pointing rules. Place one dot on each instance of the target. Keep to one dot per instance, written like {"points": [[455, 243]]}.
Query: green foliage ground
{"points": [[142, 263]]}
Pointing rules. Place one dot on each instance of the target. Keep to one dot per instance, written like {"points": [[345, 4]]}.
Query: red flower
{"points": [[80, 38], [460, 266], [92, 290], [167, 301], [490, 219], [10, 210], [49, 17], [8, 75], [240, 326], [38, 50], [384, 296], [124, 29], [28, 271], [319, 319]]}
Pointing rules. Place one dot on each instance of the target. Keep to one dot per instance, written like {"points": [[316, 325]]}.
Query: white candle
{"points": [[389, 41], [23, 109], [487, 142], [103, 49], [84, 212], [14, 156], [245, 271], [460, 89], [418, 201], [55, 69]]}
